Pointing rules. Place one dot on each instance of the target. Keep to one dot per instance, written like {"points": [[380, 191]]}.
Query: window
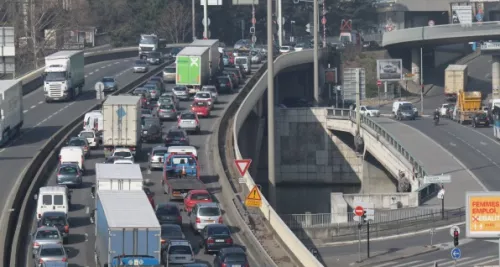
{"points": [[68, 170], [47, 252], [87, 134], [241, 61], [201, 196], [180, 250], [204, 95], [209, 211], [188, 116], [58, 200], [169, 70], [108, 80], [54, 220], [235, 257], [167, 210], [218, 231], [47, 199], [77, 142], [159, 152], [180, 89], [175, 134], [124, 154], [55, 76], [47, 234]]}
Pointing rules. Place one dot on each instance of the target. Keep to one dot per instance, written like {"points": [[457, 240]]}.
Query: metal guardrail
{"points": [[425, 191]]}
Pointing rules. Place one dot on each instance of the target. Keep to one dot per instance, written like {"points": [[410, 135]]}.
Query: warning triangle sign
{"points": [[254, 194], [242, 165]]}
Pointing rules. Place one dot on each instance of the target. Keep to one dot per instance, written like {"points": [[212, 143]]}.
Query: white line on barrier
{"points": [[40, 102], [32, 107], [86, 76], [117, 62], [24, 111], [91, 73], [96, 70]]}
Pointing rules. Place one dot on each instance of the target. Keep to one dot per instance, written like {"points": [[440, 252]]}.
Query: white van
{"points": [[52, 198], [245, 61], [93, 120], [183, 150], [72, 154]]}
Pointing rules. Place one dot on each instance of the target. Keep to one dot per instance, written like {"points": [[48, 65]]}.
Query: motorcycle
{"points": [[436, 119]]}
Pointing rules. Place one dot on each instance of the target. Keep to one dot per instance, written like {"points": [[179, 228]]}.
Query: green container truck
{"points": [[193, 68]]}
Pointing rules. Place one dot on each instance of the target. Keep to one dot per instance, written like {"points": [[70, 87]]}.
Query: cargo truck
{"points": [[11, 108], [118, 177], [215, 57], [127, 230], [455, 81], [122, 123], [64, 75], [193, 68], [468, 104], [181, 174]]}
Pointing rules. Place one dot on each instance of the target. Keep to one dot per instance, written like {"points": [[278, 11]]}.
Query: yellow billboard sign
{"points": [[482, 214]]}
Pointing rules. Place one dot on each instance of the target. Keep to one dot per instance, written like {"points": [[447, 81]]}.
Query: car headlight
{"points": [[210, 103]]}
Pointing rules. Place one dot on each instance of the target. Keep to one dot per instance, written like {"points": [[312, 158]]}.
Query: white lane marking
{"points": [[103, 67], [32, 107], [86, 76], [117, 62], [476, 261], [487, 75], [91, 73], [483, 143], [386, 264], [24, 111], [449, 263], [474, 148], [406, 264], [426, 264], [40, 102], [96, 70], [109, 65], [1, 150], [453, 144]]}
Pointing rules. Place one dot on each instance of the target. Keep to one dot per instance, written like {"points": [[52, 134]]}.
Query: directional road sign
{"points": [[242, 165], [437, 179], [453, 229], [254, 199], [456, 253]]}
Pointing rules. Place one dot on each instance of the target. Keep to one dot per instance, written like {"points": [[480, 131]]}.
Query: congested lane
{"points": [[82, 232]]}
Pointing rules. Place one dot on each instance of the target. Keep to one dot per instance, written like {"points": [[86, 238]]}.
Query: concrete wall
{"points": [[382, 201], [309, 153]]}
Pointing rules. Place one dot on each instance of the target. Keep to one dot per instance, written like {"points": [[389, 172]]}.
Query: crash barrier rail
{"points": [[441, 32], [33, 80], [425, 191], [20, 205], [289, 239]]}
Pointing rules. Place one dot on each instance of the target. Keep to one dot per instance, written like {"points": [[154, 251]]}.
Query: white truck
{"points": [[122, 123], [214, 56], [64, 75], [118, 177], [149, 43], [11, 108]]}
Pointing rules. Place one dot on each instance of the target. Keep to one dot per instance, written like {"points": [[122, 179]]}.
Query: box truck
{"points": [[118, 177], [455, 81], [11, 108], [122, 123], [64, 75], [193, 68], [214, 57], [467, 106], [127, 230]]}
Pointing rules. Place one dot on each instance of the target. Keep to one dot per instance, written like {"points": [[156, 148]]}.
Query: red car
{"points": [[196, 196], [201, 108]]}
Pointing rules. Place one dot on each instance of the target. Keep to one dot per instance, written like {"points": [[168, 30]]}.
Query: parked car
{"points": [[225, 84], [201, 108], [166, 112], [181, 92], [196, 196], [57, 219], [80, 142], [170, 232], [213, 91], [50, 252], [155, 157], [110, 84], [176, 137], [169, 74], [168, 213], [45, 235], [69, 174]]}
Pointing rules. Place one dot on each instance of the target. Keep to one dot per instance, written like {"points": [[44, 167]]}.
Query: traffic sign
{"points": [[431, 23], [482, 214], [359, 211], [479, 17], [242, 165], [254, 21], [437, 179], [254, 199], [453, 229], [379, 83], [368, 208], [254, 39], [99, 86], [242, 180], [203, 21], [456, 253], [441, 193], [323, 21]]}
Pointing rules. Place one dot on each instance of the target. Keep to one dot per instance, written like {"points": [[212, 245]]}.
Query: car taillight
{"points": [[132, 148], [86, 147], [198, 220], [220, 220], [210, 241], [183, 139], [40, 261], [224, 265], [229, 241], [154, 91], [247, 265], [36, 244], [163, 241], [39, 215], [66, 228], [64, 260]]}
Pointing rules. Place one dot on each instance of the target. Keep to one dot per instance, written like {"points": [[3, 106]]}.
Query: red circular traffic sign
{"points": [[379, 82], [254, 21], [323, 20], [359, 211]]}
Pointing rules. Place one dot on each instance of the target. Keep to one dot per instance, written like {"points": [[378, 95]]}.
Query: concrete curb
{"points": [[433, 249], [28, 182], [332, 244]]}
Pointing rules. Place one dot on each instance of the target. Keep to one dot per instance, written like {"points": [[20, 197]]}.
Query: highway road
{"points": [[42, 120], [82, 233]]}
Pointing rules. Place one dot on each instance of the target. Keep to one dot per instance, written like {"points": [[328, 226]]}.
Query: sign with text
{"points": [[245, 2], [461, 14], [211, 3], [351, 82], [482, 214], [437, 179]]}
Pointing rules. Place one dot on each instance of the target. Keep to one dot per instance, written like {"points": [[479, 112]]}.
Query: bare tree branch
{"points": [[175, 22]]}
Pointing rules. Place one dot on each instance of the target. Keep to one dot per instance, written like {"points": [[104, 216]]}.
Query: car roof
{"points": [[122, 149], [45, 228], [160, 148], [167, 204], [68, 164], [171, 225], [52, 245], [178, 242], [233, 249]]}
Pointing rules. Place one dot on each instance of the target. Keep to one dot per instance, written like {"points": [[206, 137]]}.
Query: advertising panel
{"points": [[389, 69], [482, 214]]}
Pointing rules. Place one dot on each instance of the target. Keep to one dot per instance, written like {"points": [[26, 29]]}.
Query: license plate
{"points": [[237, 265], [209, 221], [200, 113], [176, 193], [145, 132], [219, 240]]}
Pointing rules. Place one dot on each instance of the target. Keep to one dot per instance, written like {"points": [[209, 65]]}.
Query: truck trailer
{"points": [[455, 81], [64, 75], [122, 123], [127, 177], [11, 107], [127, 230], [193, 68], [215, 57]]}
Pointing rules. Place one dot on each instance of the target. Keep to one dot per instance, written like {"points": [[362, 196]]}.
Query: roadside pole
{"points": [[359, 241], [368, 239]]}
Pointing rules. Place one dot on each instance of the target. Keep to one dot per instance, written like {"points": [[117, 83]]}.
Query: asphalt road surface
{"points": [[82, 233]]}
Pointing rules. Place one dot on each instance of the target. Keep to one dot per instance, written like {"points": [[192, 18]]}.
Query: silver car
{"points": [[69, 174], [141, 66], [169, 74], [110, 84], [155, 157], [181, 92], [166, 112], [57, 264], [189, 122], [204, 214], [212, 89], [45, 235], [153, 89], [178, 252], [172, 96], [50, 252]]}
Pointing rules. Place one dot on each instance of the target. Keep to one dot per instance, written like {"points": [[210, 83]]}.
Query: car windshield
{"points": [[55, 76], [171, 231], [53, 220], [165, 100], [406, 107], [218, 230], [87, 134], [113, 159], [108, 80], [203, 95], [188, 116], [155, 55], [77, 142], [169, 70], [209, 211], [151, 86], [175, 134], [201, 196], [209, 89], [481, 116], [146, 111], [140, 62], [179, 88], [159, 152], [146, 122], [200, 104], [124, 154], [68, 170], [167, 210], [47, 234], [46, 252], [235, 257], [179, 250]]}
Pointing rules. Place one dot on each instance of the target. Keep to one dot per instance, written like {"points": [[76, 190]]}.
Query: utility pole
{"points": [[205, 18], [315, 52], [270, 97], [323, 20], [280, 22], [421, 81], [193, 19], [254, 21], [358, 103]]}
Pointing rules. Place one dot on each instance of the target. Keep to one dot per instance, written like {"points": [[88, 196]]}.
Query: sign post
{"points": [[365, 213]]}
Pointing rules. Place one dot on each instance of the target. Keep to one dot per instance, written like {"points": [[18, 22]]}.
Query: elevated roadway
{"points": [[82, 233]]}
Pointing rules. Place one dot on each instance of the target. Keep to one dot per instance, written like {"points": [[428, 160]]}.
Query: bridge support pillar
{"points": [[495, 75], [415, 64]]}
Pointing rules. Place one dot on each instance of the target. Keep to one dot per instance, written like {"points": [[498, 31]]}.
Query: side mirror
{"points": [[35, 196]]}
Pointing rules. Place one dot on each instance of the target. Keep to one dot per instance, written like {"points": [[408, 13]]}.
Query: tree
{"points": [[175, 23]]}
